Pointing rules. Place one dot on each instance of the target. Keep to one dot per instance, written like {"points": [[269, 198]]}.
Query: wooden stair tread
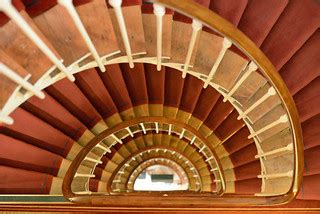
{"points": [[69, 44], [150, 33], [96, 19], [134, 29], [22, 50]]}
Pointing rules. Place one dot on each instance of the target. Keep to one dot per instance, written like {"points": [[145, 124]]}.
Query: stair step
{"points": [[257, 27], [69, 44], [286, 36], [96, 19], [20, 43]]}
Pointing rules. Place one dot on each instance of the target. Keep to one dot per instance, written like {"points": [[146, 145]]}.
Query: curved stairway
{"points": [[47, 134]]}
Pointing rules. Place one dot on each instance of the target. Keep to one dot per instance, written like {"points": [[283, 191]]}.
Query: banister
{"points": [[66, 186], [144, 160], [240, 40]]}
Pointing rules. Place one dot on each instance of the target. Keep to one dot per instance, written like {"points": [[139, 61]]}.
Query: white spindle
{"points": [[92, 160], [20, 81], [202, 148], [83, 192], [143, 128], [116, 4], [277, 175], [106, 149], [269, 93], [77, 21], [182, 133], [196, 28], [209, 158], [289, 147], [282, 119], [214, 169], [250, 68], [129, 131], [116, 138], [225, 45], [157, 127], [7, 7], [170, 129], [84, 175], [193, 140], [5, 119], [159, 11]]}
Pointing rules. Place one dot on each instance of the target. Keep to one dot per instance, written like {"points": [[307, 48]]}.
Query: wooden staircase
{"points": [[148, 82]]}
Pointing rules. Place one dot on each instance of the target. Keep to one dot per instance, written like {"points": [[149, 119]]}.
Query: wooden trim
{"points": [[142, 151], [226, 29], [66, 186]]}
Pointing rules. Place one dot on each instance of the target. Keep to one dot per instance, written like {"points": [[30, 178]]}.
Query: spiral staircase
{"points": [[92, 92]]}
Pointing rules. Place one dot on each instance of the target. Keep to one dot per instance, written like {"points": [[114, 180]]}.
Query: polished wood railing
{"points": [[259, 63], [72, 171]]}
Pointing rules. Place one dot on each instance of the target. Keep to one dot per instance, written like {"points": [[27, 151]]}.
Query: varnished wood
{"points": [[223, 27], [96, 19], [7, 86], [83, 153], [133, 20], [58, 27], [22, 50]]}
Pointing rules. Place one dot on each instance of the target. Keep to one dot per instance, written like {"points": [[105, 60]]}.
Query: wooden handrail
{"points": [[143, 151], [72, 170], [223, 27], [239, 39], [140, 169]]}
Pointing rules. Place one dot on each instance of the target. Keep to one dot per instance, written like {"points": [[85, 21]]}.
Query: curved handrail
{"points": [[223, 27], [226, 29], [67, 181], [143, 150]]}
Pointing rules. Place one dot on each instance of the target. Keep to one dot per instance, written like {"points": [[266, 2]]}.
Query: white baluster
{"points": [[282, 119], [77, 21], [7, 7], [202, 148], [20, 81], [250, 68], [277, 175], [269, 93], [209, 158], [93, 160], [143, 128], [196, 28], [159, 11], [214, 169], [182, 133], [289, 147], [84, 193], [106, 149], [116, 138], [193, 140], [170, 129], [157, 127], [5, 119], [84, 175], [225, 45], [116, 4], [129, 131]]}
